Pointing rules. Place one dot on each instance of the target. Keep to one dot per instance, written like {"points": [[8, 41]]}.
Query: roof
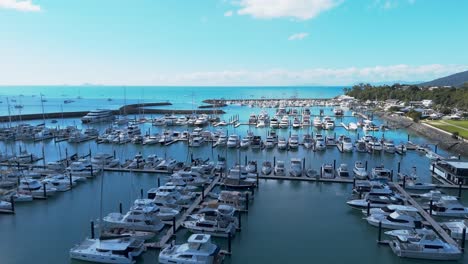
{"points": [[458, 164], [114, 244], [199, 238]]}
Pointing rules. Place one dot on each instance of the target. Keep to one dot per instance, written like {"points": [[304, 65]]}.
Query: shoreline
{"points": [[438, 137]]}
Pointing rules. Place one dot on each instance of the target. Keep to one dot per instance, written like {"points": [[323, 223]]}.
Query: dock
{"points": [[437, 228], [170, 233]]}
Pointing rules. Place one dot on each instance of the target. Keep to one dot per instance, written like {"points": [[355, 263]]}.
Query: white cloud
{"points": [[20, 5], [298, 9], [325, 76], [298, 36], [228, 13]]}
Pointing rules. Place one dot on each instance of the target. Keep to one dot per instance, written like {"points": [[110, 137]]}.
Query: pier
{"points": [[171, 232]]}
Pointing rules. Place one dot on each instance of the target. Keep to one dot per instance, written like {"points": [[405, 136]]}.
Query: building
{"points": [[455, 172]]}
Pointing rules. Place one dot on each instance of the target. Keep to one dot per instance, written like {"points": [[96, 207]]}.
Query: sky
{"points": [[230, 42]]}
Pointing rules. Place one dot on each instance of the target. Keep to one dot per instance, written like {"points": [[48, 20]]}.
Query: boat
{"points": [[307, 141], [198, 250], [35, 188], [424, 245], [122, 250], [346, 144], [296, 123], [293, 141], [327, 171], [245, 142], [97, 116], [279, 169], [266, 168], [274, 122], [388, 209], [449, 206], [361, 146], [389, 147], [317, 122], [319, 142], [233, 141], [456, 228], [375, 201], [374, 146], [282, 143], [196, 141], [135, 220], [214, 227], [396, 220], [296, 167], [381, 173], [104, 160], [352, 126], [343, 171], [284, 122]]}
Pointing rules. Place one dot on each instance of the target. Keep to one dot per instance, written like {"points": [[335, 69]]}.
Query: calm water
{"points": [[289, 222], [181, 97]]}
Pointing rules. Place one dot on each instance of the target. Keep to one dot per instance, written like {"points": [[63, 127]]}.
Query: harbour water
{"points": [[288, 222]]}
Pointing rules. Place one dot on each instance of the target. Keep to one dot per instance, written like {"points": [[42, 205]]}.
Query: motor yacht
{"points": [[97, 116], [343, 171], [396, 220], [282, 143], [327, 171], [360, 170], [266, 168], [198, 250], [279, 169]]}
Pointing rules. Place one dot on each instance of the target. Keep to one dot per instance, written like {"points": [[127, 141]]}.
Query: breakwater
{"points": [[130, 109]]}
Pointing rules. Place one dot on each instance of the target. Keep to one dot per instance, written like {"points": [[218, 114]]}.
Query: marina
{"points": [[232, 150]]}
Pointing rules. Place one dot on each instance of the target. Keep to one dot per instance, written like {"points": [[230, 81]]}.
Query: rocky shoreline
{"points": [[442, 139]]}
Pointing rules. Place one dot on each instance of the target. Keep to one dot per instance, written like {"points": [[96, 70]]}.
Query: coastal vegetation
{"points": [[443, 97]]}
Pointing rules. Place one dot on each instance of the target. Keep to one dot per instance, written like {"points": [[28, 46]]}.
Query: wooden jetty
{"points": [[170, 233]]}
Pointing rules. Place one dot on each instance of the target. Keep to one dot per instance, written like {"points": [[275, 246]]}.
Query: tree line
{"points": [[444, 97]]}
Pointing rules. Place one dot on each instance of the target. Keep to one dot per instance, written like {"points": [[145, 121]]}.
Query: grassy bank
{"points": [[452, 126]]}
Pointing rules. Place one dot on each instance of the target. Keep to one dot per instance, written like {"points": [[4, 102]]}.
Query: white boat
{"points": [[425, 245], [266, 168], [196, 141], [135, 220], [282, 143], [343, 171], [296, 123], [307, 141], [381, 173], [374, 201], [327, 171], [279, 169], [293, 141], [374, 146], [198, 250], [296, 167], [388, 209], [330, 125], [260, 124], [396, 220], [284, 122], [449, 206], [320, 142], [346, 144], [35, 188], [104, 160], [317, 122], [352, 126], [233, 141], [270, 142], [222, 140], [119, 251], [456, 228], [96, 116], [214, 227], [251, 167], [5, 207], [245, 142], [360, 170], [83, 168], [389, 147]]}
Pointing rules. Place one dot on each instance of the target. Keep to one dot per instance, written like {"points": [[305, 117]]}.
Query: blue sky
{"points": [[224, 42]]}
